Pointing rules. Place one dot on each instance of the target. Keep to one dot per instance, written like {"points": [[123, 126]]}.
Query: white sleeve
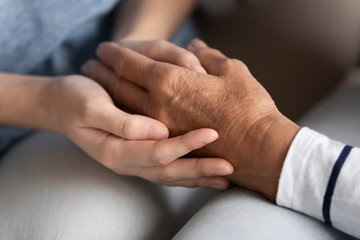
{"points": [[321, 178]]}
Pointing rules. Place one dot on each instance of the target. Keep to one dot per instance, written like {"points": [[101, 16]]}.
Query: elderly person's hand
{"points": [[254, 135]]}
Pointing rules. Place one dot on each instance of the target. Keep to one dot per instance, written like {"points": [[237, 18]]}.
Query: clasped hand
{"points": [[254, 135], [131, 144]]}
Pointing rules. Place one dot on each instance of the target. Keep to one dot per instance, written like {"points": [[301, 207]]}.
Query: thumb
{"points": [[211, 59], [129, 126]]}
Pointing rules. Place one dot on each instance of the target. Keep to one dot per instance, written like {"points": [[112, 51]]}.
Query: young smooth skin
{"points": [[81, 109], [254, 135]]}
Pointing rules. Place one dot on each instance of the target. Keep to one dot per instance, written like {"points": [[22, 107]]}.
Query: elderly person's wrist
{"points": [[270, 138]]}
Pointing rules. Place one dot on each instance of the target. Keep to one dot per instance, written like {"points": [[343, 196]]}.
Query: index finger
{"points": [[155, 153], [125, 62], [164, 51], [211, 59]]}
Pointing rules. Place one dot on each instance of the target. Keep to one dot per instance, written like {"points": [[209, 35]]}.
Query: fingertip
{"points": [[230, 168], [211, 135], [220, 184], [100, 48], [224, 170], [226, 184], [138, 127], [196, 44], [157, 131]]}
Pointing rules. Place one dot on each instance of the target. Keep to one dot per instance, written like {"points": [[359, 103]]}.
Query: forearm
{"points": [[23, 102], [156, 19]]}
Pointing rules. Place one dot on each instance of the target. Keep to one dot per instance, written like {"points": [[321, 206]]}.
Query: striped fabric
{"points": [[320, 178], [332, 182]]}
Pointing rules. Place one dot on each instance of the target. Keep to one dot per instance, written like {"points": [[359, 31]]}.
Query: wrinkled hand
{"points": [[254, 135], [130, 144]]}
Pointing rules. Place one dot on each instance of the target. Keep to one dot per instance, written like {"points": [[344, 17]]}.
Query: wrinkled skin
{"points": [[254, 135]]}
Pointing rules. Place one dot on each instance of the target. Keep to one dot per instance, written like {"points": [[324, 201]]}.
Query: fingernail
{"points": [[210, 137], [217, 186], [222, 172], [197, 43], [198, 68], [157, 132]]}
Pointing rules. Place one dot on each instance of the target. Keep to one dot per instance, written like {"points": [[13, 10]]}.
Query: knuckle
{"points": [[203, 51], [187, 56], [231, 64], [152, 48], [197, 164], [239, 64], [165, 177], [168, 81], [108, 151], [159, 159], [169, 74], [158, 156], [198, 167], [227, 63], [88, 112], [156, 68], [159, 42], [216, 52], [127, 127], [119, 58]]}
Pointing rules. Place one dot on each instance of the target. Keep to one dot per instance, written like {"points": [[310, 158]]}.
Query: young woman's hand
{"points": [[164, 51], [130, 144]]}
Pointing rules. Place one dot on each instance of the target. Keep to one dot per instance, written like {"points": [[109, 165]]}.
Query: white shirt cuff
{"points": [[320, 178]]}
